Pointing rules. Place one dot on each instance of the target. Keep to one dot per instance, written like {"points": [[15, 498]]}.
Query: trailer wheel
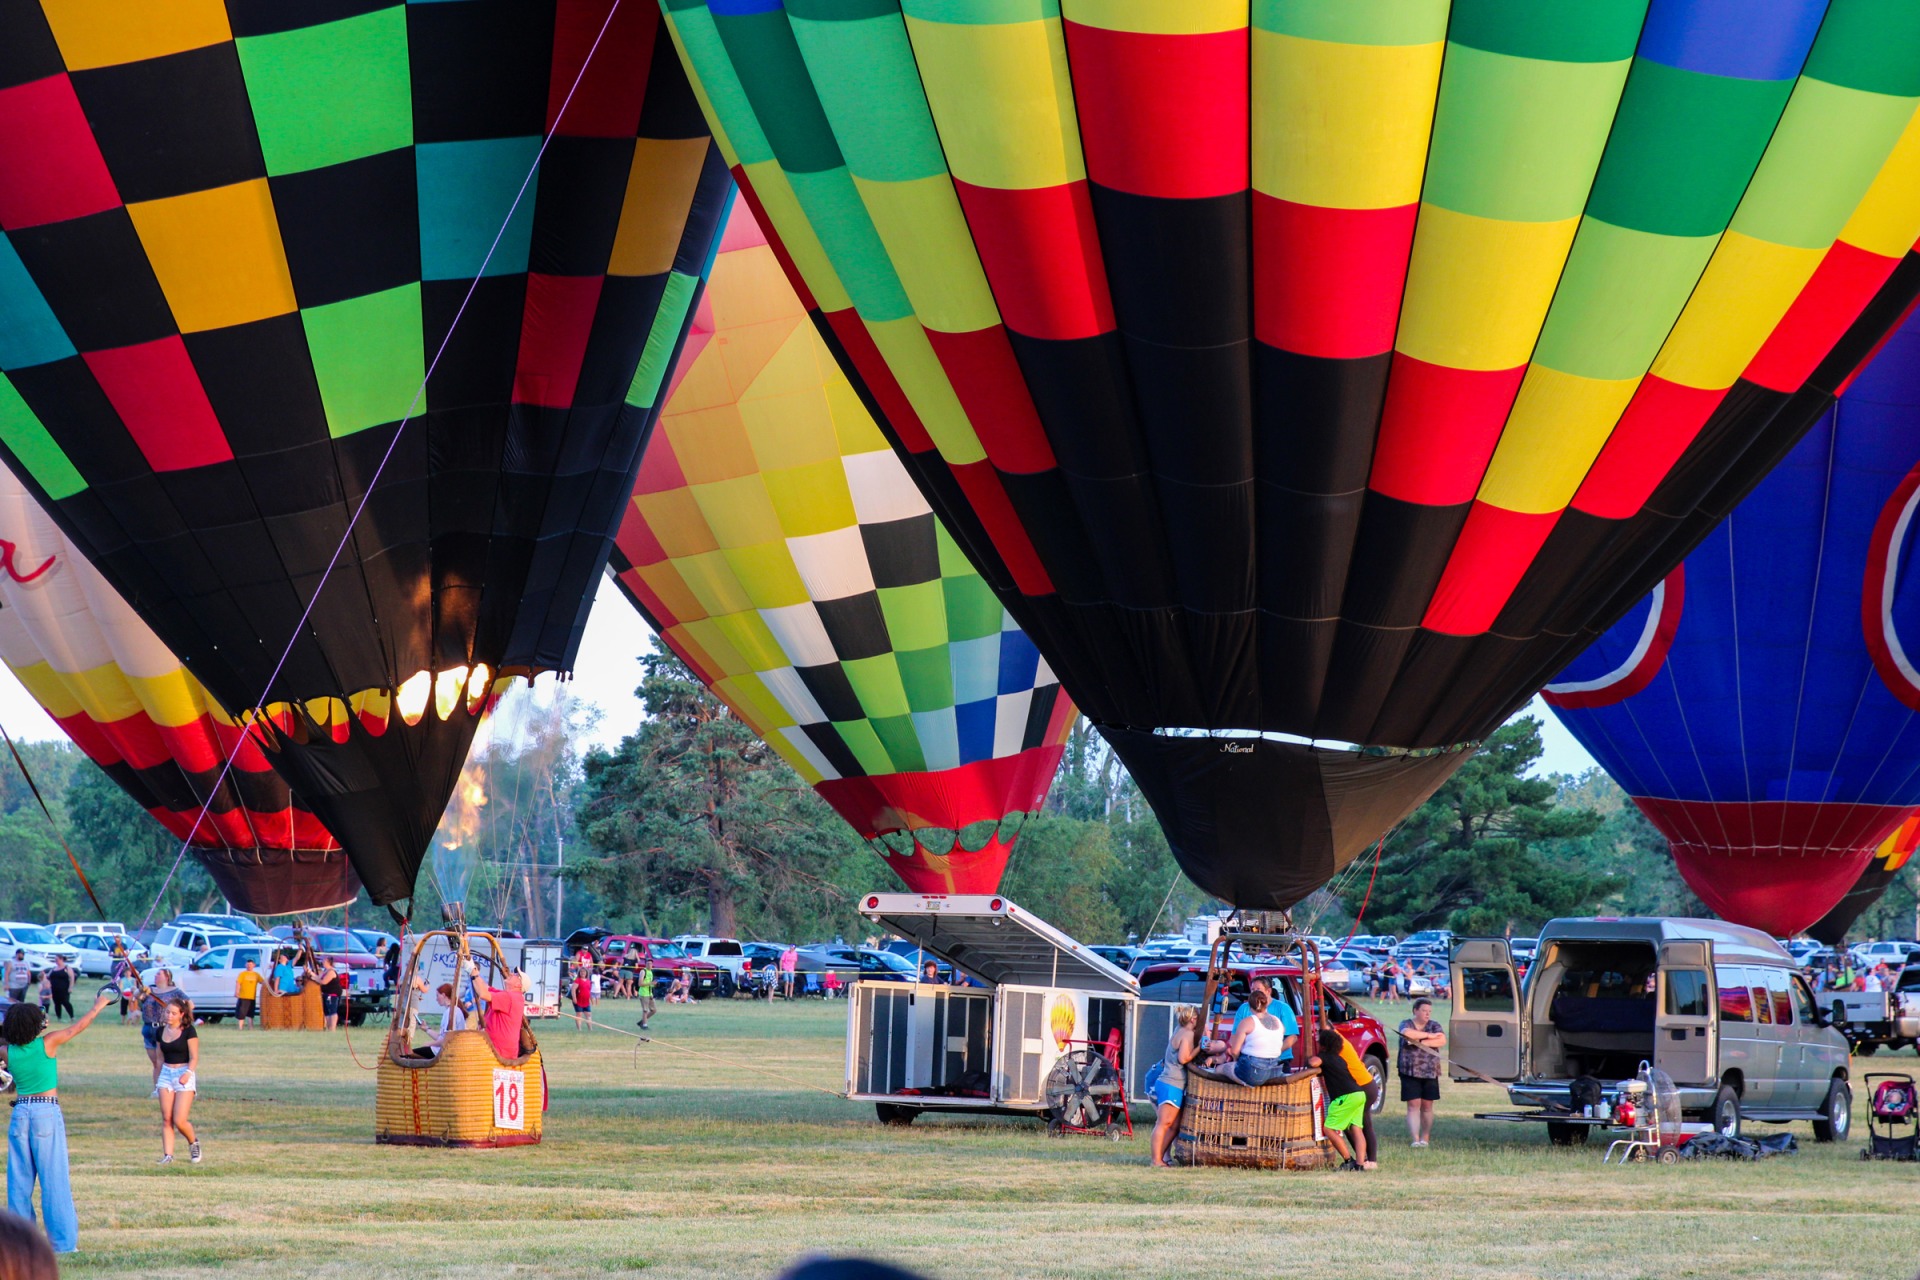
{"points": [[893, 1114], [1567, 1135], [1669, 1155]]}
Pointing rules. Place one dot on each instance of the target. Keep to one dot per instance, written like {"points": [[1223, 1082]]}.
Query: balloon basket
{"points": [[303, 1011], [1276, 1125], [468, 1096]]}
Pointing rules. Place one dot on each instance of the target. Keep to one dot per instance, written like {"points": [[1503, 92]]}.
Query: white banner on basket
{"points": [[509, 1098]]}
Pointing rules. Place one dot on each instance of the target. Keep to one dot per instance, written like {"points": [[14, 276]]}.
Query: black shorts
{"points": [[1419, 1089], [242, 1008]]}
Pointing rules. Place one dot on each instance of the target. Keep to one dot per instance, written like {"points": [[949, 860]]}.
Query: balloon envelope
{"points": [[1752, 705], [1329, 373], [127, 702], [244, 244], [778, 546], [1882, 869]]}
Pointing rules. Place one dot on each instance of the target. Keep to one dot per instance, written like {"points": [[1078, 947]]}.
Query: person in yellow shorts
{"points": [[1346, 1101], [246, 994]]}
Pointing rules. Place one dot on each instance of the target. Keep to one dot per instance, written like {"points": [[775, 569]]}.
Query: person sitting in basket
{"points": [[1346, 1101], [1260, 1044]]}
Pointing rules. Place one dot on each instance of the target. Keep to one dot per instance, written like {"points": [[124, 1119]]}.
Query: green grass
{"points": [[662, 1162]]}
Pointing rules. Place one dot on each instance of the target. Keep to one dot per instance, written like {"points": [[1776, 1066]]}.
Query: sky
{"points": [[608, 670]]}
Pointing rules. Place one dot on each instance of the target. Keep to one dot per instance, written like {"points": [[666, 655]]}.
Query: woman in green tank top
{"points": [[37, 1132]]}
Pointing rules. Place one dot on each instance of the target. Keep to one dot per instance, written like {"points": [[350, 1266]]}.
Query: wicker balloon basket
{"points": [[467, 1096], [302, 1011], [1271, 1126]]}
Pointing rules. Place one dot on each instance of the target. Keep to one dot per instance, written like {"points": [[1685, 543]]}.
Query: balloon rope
{"points": [[35, 788], [346, 1002], [374, 480], [1362, 913]]}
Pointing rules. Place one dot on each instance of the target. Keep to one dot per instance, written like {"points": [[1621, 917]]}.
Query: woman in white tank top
{"points": [[1258, 1042]]}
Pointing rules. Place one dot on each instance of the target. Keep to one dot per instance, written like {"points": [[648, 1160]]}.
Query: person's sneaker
{"points": [[193, 1153], [164, 1159], [1351, 1166]]}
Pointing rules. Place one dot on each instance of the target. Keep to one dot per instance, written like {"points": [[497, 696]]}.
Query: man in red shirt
{"points": [[506, 1010]]}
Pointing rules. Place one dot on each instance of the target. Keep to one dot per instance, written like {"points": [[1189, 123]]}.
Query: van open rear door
{"points": [[1684, 1029], [1483, 1038]]}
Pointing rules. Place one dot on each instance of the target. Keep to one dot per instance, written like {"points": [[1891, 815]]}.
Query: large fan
{"points": [[1084, 1095]]}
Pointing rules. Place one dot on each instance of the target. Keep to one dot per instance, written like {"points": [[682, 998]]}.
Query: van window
{"points": [[1777, 988], [1736, 998], [1486, 990], [1803, 997], [1687, 993], [1762, 1004]]}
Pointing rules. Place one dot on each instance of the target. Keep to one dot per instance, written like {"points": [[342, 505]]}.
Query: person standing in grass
{"points": [[789, 965], [1170, 1087], [37, 1132], [19, 977], [1346, 1102], [644, 989], [60, 987], [1421, 1040], [179, 1081], [246, 993], [153, 1016]]}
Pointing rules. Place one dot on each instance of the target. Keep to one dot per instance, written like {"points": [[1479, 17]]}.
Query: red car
{"points": [[669, 960], [1186, 984]]}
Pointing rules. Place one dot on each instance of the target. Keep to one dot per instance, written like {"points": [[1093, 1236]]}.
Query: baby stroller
{"points": [[1894, 1127]]}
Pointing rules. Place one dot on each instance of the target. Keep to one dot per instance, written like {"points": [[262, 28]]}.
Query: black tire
{"points": [[211, 1018], [1568, 1135], [895, 1115], [1725, 1116], [1838, 1125], [357, 1018], [1867, 1048], [1377, 1064]]}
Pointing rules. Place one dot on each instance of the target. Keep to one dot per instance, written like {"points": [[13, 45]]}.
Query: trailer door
{"points": [[1483, 1038], [1685, 1039]]}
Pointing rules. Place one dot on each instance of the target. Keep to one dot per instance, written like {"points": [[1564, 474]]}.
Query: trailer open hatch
{"points": [[995, 941]]}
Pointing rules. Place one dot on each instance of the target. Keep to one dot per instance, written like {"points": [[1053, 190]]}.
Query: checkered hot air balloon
{"points": [[243, 243], [126, 701], [1325, 372], [1759, 705], [779, 548]]}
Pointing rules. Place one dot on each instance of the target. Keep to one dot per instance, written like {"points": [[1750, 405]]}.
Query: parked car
{"points": [[862, 962], [208, 980], [176, 945], [914, 956], [1427, 942], [245, 926], [590, 938], [1379, 943], [1523, 950], [1119, 957], [1186, 984], [367, 989], [1720, 1008], [724, 954], [669, 959], [68, 928], [96, 953], [1867, 954], [37, 941], [377, 941]]}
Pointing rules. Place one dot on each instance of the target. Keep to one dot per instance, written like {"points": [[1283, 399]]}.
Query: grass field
{"points": [[676, 1165]]}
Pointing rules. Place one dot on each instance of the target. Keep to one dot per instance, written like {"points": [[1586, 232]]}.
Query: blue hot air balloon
{"points": [[1760, 705]]}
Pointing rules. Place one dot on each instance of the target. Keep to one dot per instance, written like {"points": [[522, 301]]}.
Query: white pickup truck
{"points": [[1870, 1019]]}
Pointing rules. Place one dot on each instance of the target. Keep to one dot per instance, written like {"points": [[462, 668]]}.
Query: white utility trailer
{"points": [[918, 1046], [541, 959]]}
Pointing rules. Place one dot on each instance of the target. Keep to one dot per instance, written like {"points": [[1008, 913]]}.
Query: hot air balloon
{"points": [[1311, 381], [274, 273], [127, 702], [1887, 862], [779, 548], [1752, 706]]}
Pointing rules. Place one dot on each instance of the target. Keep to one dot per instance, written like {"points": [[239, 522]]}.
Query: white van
{"points": [[1720, 1008]]}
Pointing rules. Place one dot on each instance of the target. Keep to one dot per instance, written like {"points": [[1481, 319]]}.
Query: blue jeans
{"points": [[1250, 1071], [37, 1147]]}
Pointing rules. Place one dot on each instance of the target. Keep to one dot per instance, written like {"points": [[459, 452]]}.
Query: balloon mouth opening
{"points": [[473, 690], [926, 841]]}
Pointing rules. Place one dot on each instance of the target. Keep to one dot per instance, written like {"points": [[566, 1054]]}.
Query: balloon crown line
{"points": [[1243, 740], [472, 690], [940, 842]]}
